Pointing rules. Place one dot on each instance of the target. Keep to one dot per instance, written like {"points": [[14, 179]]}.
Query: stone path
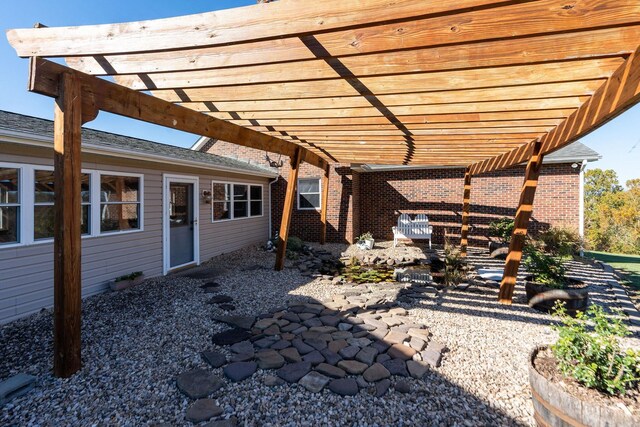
{"points": [[360, 339]]}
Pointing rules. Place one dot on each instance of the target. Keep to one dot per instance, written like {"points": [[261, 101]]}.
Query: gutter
{"points": [[270, 207], [46, 142], [393, 168], [581, 207], [199, 143]]}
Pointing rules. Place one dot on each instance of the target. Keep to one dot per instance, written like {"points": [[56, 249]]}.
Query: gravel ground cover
{"points": [[136, 342]]}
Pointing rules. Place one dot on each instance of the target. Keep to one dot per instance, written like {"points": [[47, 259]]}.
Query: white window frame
{"points": [[319, 194], [95, 195], [32, 207], [26, 176], [232, 201], [261, 200], [21, 205]]}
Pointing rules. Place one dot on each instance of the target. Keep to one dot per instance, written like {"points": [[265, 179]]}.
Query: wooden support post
{"points": [[324, 205], [525, 208], [67, 228], [289, 200], [466, 205]]}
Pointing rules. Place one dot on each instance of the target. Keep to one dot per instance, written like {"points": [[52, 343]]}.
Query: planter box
{"points": [[124, 284], [543, 298], [366, 244], [554, 406]]}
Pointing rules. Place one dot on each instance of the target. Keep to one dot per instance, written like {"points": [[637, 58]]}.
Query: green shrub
{"points": [[455, 265], [545, 269], [131, 276], [502, 229], [294, 244], [365, 236], [560, 241], [588, 350]]}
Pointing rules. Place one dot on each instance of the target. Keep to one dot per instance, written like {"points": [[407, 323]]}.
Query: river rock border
{"points": [[357, 340]]}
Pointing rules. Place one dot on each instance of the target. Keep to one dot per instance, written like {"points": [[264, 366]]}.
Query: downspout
{"points": [[270, 205], [581, 208]]}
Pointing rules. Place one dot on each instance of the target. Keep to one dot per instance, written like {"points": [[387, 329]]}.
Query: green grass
{"points": [[629, 265]]}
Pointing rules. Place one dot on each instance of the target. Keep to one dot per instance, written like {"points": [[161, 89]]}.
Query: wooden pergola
{"points": [[480, 84]]}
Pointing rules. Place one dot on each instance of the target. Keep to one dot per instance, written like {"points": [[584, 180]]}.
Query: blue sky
{"points": [[615, 141]]}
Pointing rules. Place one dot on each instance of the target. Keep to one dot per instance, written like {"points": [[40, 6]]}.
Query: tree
{"points": [[612, 214], [598, 182], [633, 184]]}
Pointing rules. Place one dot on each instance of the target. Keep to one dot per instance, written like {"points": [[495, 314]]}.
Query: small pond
{"points": [[377, 273]]}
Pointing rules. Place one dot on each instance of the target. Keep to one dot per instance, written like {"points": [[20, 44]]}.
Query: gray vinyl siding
{"points": [[26, 272]]}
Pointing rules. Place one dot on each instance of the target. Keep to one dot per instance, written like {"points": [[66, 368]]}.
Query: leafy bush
{"points": [[455, 266], [502, 228], [545, 269], [131, 276], [593, 356], [560, 241], [295, 244], [365, 236]]}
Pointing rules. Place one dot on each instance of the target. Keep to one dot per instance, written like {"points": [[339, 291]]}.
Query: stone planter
{"points": [[366, 244], [554, 406], [124, 284], [543, 298], [498, 250]]}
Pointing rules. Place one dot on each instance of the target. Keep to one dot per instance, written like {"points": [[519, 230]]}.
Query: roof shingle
{"points": [[44, 128]]}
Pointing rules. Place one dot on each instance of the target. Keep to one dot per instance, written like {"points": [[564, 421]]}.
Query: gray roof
{"points": [[44, 128], [575, 152]]}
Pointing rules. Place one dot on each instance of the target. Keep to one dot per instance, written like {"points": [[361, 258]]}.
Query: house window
{"points": [[120, 203], [309, 193], [255, 194], [240, 201], [43, 204], [221, 201], [235, 201], [9, 205]]}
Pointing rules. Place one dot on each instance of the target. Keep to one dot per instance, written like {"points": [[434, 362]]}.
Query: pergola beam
{"points": [[292, 54], [287, 209], [511, 93], [113, 98], [466, 210], [324, 205], [521, 223], [225, 27], [210, 89], [67, 284], [417, 126], [555, 114], [620, 92]]}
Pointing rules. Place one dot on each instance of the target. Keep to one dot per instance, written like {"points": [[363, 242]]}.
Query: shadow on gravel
{"points": [[356, 359], [359, 344]]}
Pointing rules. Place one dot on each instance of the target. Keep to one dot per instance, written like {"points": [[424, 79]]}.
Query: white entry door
{"points": [[180, 221]]}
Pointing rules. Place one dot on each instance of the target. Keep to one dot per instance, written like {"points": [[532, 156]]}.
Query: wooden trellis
{"points": [[479, 84]]}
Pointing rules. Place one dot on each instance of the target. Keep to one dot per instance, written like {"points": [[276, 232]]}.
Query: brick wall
{"points": [[304, 223], [438, 193], [372, 201]]}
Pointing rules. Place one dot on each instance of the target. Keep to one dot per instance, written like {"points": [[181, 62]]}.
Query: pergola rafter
{"points": [[479, 84]]}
